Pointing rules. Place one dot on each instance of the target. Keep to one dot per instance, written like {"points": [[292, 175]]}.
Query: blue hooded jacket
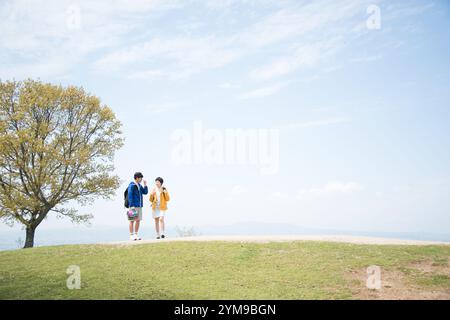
{"points": [[135, 198]]}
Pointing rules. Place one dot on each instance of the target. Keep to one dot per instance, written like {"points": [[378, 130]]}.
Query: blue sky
{"points": [[362, 113]]}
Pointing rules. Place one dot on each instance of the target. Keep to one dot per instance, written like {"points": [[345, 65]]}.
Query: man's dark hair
{"points": [[160, 180], [138, 175]]}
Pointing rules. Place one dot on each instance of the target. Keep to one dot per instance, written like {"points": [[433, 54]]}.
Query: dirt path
{"points": [[270, 238]]}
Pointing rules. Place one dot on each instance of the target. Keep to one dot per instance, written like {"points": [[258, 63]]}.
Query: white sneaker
{"points": [[137, 237], [132, 237]]}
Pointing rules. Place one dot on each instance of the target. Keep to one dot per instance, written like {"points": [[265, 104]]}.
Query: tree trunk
{"points": [[29, 241]]}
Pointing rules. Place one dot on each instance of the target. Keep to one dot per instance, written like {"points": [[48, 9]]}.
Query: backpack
{"points": [[125, 197]]}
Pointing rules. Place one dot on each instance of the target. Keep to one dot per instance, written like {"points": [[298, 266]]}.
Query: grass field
{"points": [[226, 270]]}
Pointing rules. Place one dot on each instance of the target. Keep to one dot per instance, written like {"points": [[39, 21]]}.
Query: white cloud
{"points": [[316, 123], [278, 196], [263, 92], [238, 189], [175, 57], [303, 56], [181, 56], [330, 188], [148, 74], [229, 85], [157, 108], [367, 58], [49, 38], [37, 33], [396, 10], [296, 21], [210, 190]]}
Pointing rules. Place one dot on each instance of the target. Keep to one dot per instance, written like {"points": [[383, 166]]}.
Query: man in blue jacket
{"points": [[136, 202]]}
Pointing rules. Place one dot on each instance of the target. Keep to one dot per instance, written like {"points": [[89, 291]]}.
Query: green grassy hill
{"points": [[226, 270]]}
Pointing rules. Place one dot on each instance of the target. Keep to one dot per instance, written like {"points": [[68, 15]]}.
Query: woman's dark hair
{"points": [[160, 180], [138, 175]]}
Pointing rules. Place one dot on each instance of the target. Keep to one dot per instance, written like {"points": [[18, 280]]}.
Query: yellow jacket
{"points": [[163, 200]]}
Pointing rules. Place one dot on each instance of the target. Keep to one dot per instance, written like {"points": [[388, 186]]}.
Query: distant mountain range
{"points": [[253, 228], [80, 235]]}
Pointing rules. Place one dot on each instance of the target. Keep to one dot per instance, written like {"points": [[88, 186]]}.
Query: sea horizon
{"points": [[13, 239]]}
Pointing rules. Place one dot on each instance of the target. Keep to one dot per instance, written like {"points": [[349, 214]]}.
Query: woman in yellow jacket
{"points": [[159, 197]]}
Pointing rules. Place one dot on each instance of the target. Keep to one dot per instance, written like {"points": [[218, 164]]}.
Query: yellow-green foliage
{"points": [[56, 145]]}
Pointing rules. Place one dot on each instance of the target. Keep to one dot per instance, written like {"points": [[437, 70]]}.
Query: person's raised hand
{"points": [[145, 182]]}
